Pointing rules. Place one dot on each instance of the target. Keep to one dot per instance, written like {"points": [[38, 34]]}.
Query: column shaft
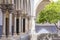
{"points": [[4, 24], [22, 4], [16, 4], [28, 7], [22, 24], [30, 24], [15, 25], [19, 4], [10, 24], [26, 25], [19, 24], [25, 5]]}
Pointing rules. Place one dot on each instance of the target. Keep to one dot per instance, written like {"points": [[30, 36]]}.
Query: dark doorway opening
{"points": [[17, 26], [7, 26], [24, 25]]}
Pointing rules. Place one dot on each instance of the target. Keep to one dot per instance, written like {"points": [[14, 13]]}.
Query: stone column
{"points": [[29, 13], [16, 5], [32, 17], [22, 4], [33, 25], [30, 24], [26, 24], [19, 4], [15, 17], [20, 24], [25, 6], [28, 7], [4, 25], [10, 24]]}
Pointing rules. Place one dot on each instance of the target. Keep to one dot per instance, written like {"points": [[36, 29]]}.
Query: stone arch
{"points": [[40, 5]]}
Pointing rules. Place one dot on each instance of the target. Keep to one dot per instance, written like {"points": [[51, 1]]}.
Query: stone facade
{"points": [[17, 17]]}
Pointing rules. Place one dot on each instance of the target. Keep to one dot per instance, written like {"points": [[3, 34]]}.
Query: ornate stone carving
{"points": [[6, 7]]}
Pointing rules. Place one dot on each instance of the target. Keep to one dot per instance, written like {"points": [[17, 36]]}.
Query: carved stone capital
{"points": [[15, 15], [18, 12], [3, 11], [10, 11], [6, 7]]}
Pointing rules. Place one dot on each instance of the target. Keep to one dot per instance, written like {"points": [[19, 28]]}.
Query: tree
{"points": [[51, 13]]}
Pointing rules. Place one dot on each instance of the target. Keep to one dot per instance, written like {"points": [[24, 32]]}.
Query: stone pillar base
{"points": [[19, 33], [10, 37], [15, 35], [33, 37], [3, 37]]}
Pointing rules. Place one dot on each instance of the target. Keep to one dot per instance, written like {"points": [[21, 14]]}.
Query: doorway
{"points": [[7, 26], [23, 24], [17, 26]]}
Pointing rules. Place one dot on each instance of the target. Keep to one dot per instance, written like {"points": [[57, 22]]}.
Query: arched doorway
{"points": [[7, 23]]}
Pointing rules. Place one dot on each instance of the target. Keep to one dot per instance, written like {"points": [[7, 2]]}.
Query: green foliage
{"points": [[51, 13]]}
